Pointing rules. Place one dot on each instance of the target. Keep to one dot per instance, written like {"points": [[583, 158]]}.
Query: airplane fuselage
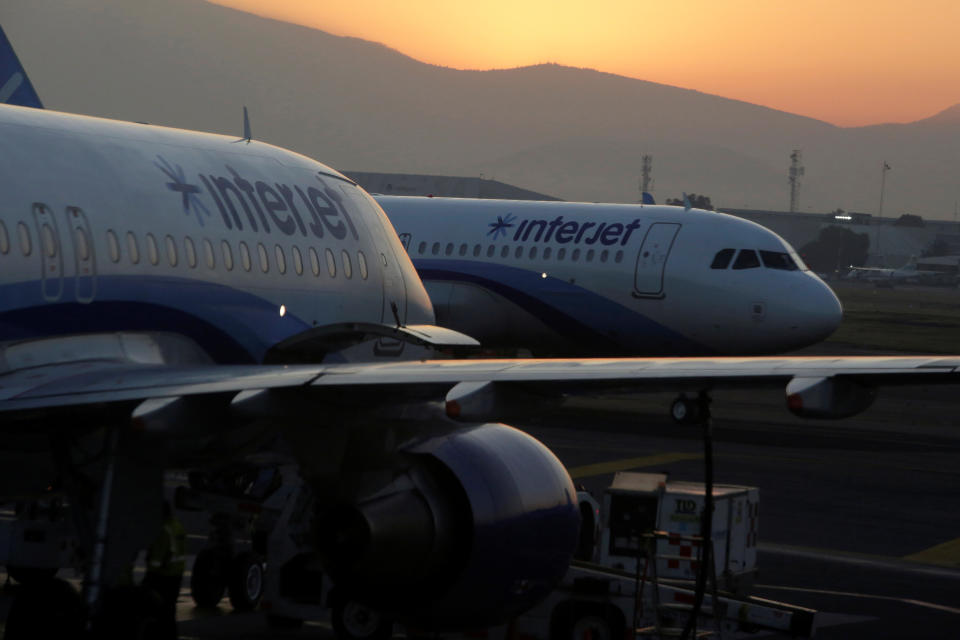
{"points": [[575, 278], [110, 226]]}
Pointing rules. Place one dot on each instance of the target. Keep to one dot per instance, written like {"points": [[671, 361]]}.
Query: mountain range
{"points": [[578, 134]]}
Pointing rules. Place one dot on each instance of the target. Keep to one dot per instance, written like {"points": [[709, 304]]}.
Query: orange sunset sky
{"points": [[849, 62]]}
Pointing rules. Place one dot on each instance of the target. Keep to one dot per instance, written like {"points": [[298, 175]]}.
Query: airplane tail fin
{"points": [[15, 86], [647, 198]]}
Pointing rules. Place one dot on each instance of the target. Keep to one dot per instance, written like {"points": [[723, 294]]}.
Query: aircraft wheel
{"points": [[31, 575], [354, 621], [246, 581], [50, 609], [208, 580]]}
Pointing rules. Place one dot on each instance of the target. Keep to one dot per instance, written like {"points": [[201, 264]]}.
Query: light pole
{"points": [[883, 183]]}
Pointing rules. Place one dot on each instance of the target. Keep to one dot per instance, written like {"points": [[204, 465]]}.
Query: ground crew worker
{"points": [[165, 563]]}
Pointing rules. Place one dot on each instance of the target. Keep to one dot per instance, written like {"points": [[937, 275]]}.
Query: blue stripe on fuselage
{"points": [[231, 325], [592, 323]]}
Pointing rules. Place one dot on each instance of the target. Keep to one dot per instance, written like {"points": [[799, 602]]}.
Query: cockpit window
{"points": [[777, 260], [746, 259], [722, 259]]}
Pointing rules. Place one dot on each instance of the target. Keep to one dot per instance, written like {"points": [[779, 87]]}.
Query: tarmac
{"points": [[858, 517]]}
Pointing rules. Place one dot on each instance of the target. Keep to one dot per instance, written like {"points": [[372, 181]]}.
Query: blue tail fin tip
{"points": [[647, 198], [15, 86]]}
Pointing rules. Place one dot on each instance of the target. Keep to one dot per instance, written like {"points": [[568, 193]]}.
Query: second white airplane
{"points": [[565, 278]]}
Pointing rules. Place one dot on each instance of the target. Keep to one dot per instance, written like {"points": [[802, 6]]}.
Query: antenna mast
{"points": [[796, 172], [646, 170]]}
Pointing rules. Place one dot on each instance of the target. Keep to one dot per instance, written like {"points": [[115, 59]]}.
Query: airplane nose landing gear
{"points": [[686, 410]]}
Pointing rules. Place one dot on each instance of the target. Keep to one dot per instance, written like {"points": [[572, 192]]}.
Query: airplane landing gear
{"points": [[354, 621], [686, 410]]}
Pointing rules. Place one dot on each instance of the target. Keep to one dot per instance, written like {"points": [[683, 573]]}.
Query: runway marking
{"points": [[945, 555], [602, 468], [868, 596]]}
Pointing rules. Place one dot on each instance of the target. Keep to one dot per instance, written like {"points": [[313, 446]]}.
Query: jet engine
{"points": [[479, 526]]}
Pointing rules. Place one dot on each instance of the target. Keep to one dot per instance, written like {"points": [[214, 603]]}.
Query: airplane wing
{"points": [[99, 383]]}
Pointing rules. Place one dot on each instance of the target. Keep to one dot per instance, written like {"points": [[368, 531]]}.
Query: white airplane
{"points": [[156, 284], [564, 278]]}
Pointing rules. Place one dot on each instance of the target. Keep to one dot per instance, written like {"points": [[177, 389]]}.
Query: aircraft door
{"points": [[51, 252], [652, 259], [85, 280]]}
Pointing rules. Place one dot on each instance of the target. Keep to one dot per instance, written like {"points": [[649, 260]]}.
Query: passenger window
{"points": [[561, 254], [422, 248], [209, 255], [746, 259], [245, 260], [264, 258], [171, 251], [777, 260], [449, 249], [505, 251], [153, 254], [113, 245], [383, 260], [314, 261], [331, 263], [518, 253], [347, 265], [435, 249], [722, 259], [132, 248], [281, 259], [190, 251], [297, 260], [604, 255], [533, 253], [547, 253], [463, 249], [362, 263], [619, 257], [492, 249], [227, 255], [590, 255], [4, 239], [476, 251]]}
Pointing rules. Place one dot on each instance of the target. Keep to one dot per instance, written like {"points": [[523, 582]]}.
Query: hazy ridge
{"points": [[574, 133]]}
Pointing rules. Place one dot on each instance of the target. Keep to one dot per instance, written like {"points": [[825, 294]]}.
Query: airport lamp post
{"points": [[883, 183]]}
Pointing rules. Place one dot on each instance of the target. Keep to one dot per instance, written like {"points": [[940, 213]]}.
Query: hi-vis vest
{"points": [[166, 555]]}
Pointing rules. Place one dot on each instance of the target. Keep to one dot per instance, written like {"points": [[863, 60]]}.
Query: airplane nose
{"points": [[819, 311]]}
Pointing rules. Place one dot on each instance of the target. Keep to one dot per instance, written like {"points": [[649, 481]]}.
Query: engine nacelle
{"points": [[481, 526], [827, 397]]}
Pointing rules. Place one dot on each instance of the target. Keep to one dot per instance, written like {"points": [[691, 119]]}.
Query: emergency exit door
{"points": [[652, 259]]}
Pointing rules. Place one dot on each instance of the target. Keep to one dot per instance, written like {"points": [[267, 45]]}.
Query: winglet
{"points": [[15, 86], [247, 134], [686, 202], [647, 198]]}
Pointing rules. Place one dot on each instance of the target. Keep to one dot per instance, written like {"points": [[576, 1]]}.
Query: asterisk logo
{"points": [[499, 228], [187, 191]]}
